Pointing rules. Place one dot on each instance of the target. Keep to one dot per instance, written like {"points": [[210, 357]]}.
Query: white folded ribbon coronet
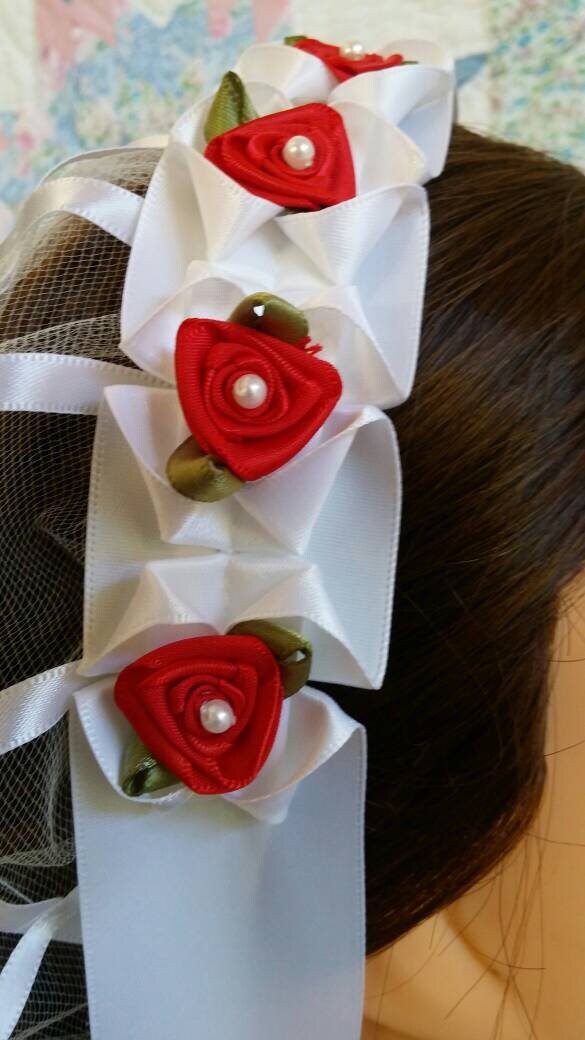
{"points": [[277, 911]]}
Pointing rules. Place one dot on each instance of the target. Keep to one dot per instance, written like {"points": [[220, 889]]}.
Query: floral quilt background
{"points": [[82, 74]]}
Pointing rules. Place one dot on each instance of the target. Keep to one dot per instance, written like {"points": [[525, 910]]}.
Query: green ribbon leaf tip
{"points": [[273, 315], [291, 41], [141, 773], [293, 652], [230, 107], [200, 477]]}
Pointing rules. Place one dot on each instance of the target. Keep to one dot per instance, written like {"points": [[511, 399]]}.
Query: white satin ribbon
{"points": [[179, 599], [202, 919], [416, 98], [111, 208], [422, 107], [60, 383], [34, 706], [312, 729], [276, 512], [341, 590], [18, 918], [155, 142], [215, 243], [20, 971], [328, 263], [296, 74]]}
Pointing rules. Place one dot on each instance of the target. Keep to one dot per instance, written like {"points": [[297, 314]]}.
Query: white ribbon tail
{"points": [[21, 968], [177, 942]]}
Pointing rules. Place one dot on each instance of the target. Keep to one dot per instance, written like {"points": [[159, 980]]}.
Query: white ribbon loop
{"points": [[418, 100], [350, 557], [18, 918], [381, 153], [109, 207]]}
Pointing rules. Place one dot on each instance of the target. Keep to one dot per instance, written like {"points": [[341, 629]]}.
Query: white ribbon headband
{"points": [[242, 916]]}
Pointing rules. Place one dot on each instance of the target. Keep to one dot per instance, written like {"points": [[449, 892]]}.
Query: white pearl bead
{"points": [[353, 50], [250, 391], [217, 716], [299, 152]]}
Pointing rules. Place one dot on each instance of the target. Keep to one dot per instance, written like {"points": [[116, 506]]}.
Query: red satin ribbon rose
{"points": [[162, 695], [252, 154], [343, 67], [301, 391]]}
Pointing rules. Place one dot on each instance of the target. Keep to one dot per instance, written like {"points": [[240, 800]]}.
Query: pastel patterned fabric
{"points": [[538, 74], [82, 74], [110, 71]]}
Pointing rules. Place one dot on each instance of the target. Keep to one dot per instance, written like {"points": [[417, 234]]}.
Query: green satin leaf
{"points": [[291, 41], [293, 652], [141, 773], [409, 63], [230, 107], [273, 315], [198, 476]]}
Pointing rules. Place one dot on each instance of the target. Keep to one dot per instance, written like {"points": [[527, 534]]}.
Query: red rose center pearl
{"points": [[299, 152], [353, 50], [217, 716], [250, 390]]}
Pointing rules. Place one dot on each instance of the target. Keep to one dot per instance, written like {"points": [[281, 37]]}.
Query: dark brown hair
{"points": [[493, 453]]}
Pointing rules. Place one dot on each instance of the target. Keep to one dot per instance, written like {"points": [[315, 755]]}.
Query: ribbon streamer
{"points": [[20, 970], [180, 937]]}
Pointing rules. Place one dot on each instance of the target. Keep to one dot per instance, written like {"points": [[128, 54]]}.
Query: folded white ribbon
{"points": [[312, 728], [278, 511], [349, 560], [215, 242], [416, 98], [179, 599]]}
